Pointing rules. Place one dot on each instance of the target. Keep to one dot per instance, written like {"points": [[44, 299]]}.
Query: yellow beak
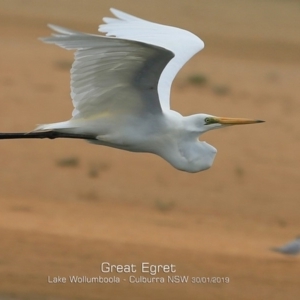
{"points": [[236, 121]]}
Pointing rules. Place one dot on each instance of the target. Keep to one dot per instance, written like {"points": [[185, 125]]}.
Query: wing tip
{"points": [[63, 30], [114, 11], [121, 15]]}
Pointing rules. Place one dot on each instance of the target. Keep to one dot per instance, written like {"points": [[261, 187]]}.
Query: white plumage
{"points": [[171, 38], [120, 87]]}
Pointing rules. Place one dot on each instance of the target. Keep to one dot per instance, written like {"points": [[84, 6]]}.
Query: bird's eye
{"points": [[207, 120]]}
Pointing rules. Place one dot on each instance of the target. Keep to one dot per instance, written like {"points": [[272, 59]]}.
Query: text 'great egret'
{"points": [[120, 88]]}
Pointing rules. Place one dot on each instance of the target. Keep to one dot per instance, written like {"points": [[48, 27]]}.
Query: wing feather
{"points": [[112, 74], [182, 43]]}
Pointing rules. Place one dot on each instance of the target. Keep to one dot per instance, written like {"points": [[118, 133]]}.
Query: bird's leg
{"points": [[44, 135]]}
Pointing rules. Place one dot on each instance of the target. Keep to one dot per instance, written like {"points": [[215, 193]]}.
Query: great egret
{"points": [[120, 87]]}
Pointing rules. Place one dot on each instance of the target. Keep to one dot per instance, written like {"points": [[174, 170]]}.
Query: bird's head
{"points": [[202, 122]]}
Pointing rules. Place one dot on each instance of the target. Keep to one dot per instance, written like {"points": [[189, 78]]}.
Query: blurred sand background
{"points": [[66, 206]]}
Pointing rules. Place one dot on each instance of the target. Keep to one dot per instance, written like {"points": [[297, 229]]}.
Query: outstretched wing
{"points": [[112, 75], [182, 43]]}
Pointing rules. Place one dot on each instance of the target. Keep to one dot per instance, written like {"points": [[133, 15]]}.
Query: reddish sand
{"points": [[68, 206]]}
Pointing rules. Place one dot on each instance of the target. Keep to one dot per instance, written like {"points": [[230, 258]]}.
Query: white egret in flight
{"points": [[120, 88]]}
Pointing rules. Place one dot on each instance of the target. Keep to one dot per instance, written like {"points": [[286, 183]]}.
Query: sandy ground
{"points": [[67, 206]]}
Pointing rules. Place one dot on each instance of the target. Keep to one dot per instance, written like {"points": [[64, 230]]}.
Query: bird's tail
{"points": [[53, 126]]}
